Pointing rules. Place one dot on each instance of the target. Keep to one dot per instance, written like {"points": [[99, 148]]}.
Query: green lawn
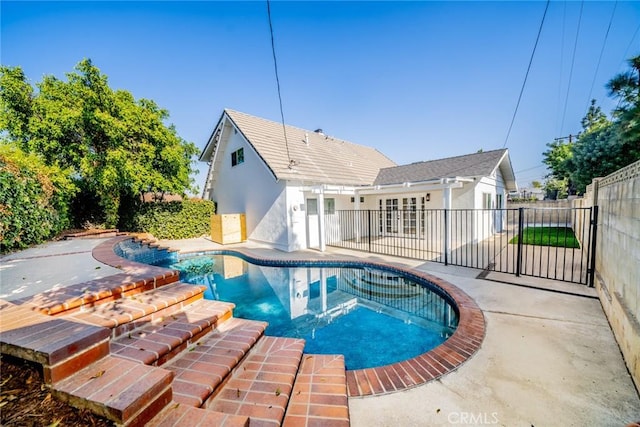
{"points": [[548, 236]]}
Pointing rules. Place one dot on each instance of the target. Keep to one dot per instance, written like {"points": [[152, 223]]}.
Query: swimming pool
{"points": [[371, 316], [465, 342]]}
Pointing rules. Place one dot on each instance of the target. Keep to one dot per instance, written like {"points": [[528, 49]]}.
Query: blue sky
{"points": [[416, 80]]}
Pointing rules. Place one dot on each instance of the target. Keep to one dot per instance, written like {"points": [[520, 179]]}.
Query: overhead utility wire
{"points": [[606, 36], [531, 168], [559, 100], [275, 66], [526, 75], [573, 60], [626, 51]]}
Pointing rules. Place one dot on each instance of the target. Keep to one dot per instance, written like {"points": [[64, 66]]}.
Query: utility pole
{"points": [[565, 137]]}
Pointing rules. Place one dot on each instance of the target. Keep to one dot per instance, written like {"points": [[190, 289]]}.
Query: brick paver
{"points": [[261, 385], [319, 396]]}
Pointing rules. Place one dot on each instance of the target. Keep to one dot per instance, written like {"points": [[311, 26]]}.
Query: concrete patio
{"points": [[548, 358]]}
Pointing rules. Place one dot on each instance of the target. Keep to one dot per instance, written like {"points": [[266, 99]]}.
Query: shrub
{"points": [[174, 220], [34, 199]]}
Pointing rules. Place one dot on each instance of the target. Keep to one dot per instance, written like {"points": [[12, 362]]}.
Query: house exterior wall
{"points": [[296, 217], [250, 188], [474, 222]]}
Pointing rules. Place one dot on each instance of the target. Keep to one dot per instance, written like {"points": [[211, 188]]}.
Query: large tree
{"points": [[598, 151], [559, 159], [626, 88], [604, 145], [116, 146]]}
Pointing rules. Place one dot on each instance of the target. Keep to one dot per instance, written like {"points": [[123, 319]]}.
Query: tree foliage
{"points": [[34, 199], [115, 146], [604, 145]]}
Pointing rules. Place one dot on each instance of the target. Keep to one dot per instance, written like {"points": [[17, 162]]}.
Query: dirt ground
{"points": [[26, 401]]}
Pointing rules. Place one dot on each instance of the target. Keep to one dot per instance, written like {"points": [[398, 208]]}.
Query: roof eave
{"points": [[266, 164], [206, 154], [508, 175]]}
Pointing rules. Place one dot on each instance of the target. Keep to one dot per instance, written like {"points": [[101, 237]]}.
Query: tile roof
{"points": [[324, 159], [470, 165]]}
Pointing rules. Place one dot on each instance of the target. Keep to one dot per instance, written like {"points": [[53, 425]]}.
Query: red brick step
{"points": [[157, 343], [73, 298], [61, 346], [123, 391], [203, 366], [177, 415], [127, 314], [261, 385], [319, 396]]}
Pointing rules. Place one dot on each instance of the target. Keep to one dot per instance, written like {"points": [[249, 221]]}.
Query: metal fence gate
{"points": [[553, 243]]}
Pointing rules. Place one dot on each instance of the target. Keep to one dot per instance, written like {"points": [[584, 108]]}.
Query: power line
{"points": [[561, 72], [526, 75], [275, 66], [626, 51], [573, 60], [606, 36], [531, 168]]}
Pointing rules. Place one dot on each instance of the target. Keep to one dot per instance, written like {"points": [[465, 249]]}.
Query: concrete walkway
{"points": [[49, 266], [548, 359]]}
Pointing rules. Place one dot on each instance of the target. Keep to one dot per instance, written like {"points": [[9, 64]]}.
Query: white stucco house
{"points": [[292, 192]]}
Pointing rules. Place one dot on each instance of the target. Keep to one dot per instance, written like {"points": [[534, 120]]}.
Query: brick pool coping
{"points": [[447, 357]]}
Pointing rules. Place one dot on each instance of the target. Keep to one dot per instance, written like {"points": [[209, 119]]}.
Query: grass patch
{"points": [[562, 237]]}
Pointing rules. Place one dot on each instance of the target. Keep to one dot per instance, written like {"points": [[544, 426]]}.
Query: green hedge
{"points": [[175, 220], [34, 199]]}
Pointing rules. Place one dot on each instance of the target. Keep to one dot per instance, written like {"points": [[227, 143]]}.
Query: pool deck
{"points": [[548, 358]]}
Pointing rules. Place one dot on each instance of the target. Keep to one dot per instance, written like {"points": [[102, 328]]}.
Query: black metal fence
{"points": [[553, 243]]}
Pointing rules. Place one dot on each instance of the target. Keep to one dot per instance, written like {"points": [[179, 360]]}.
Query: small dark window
{"points": [[237, 157], [329, 206], [312, 206]]}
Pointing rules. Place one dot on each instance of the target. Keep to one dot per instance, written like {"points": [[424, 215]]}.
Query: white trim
{"points": [[321, 225], [405, 187]]}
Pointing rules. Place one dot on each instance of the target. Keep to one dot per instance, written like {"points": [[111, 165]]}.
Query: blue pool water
{"points": [[372, 317]]}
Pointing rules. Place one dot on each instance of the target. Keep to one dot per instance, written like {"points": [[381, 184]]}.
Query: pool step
{"points": [[201, 368], [379, 285], [160, 341], [127, 314], [260, 386], [319, 395], [122, 391]]}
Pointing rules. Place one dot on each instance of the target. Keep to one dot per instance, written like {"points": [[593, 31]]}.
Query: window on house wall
{"points": [[486, 200], [409, 215], [422, 206], [237, 157], [329, 206], [312, 206]]}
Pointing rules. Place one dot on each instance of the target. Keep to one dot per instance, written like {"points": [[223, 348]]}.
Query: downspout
{"points": [[321, 222]]}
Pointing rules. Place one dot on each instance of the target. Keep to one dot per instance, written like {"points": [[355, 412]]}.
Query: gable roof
{"points": [[318, 158], [470, 165]]}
